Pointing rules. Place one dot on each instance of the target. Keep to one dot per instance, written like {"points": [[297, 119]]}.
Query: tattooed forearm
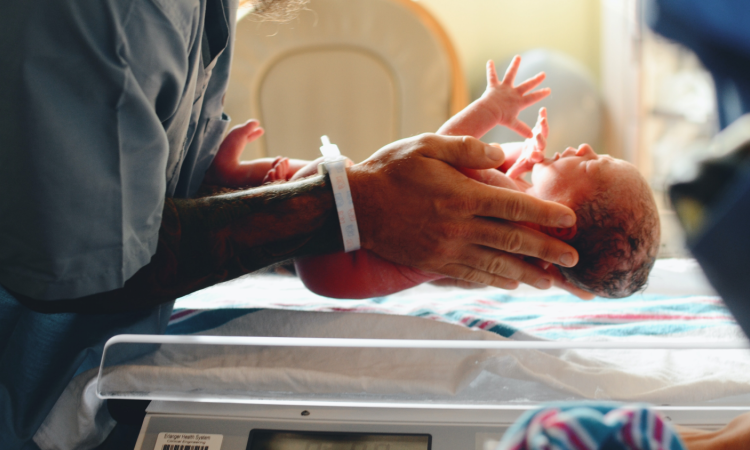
{"points": [[213, 239], [247, 230]]}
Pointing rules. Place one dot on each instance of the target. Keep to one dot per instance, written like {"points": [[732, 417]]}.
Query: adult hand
{"points": [[415, 208], [558, 280], [452, 282]]}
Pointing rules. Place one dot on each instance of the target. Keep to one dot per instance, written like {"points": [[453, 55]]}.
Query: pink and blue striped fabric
{"points": [[591, 426], [543, 316]]}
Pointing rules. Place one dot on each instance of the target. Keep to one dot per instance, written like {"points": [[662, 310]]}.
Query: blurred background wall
{"points": [[499, 29]]}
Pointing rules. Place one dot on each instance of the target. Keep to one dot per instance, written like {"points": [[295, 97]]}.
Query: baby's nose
{"points": [[570, 151], [584, 150]]}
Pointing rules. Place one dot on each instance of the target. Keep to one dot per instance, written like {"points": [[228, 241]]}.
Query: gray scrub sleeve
{"points": [[96, 99]]}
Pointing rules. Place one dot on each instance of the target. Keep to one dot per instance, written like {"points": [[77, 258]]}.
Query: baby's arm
{"points": [[499, 105]]}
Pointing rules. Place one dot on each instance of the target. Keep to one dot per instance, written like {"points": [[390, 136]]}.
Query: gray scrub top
{"points": [[106, 107]]}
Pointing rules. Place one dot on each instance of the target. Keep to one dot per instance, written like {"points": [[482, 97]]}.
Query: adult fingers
{"points": [[535, 96], [520, 240], [493, 177], [520, 207], [531, 83], [462, 151], [510, 74], [559, 280], [472, 275], [493, 263], [455, 282]]}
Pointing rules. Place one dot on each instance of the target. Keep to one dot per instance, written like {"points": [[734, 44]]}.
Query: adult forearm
{"points": [[213, 239]]}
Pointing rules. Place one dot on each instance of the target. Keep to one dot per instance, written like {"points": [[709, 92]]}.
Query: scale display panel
{"points": [[319, 440]]}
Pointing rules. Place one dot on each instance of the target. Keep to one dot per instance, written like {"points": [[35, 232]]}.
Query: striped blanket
{"points": [[678, 302]]}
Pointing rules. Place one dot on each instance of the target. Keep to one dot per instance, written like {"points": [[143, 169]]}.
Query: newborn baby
{"points": [[617, 228]]}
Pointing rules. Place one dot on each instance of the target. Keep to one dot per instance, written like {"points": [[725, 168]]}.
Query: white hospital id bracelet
{"points": [[335, 165]]}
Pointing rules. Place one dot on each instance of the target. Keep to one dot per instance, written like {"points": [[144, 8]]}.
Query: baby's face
{"points": [[571, 176]]}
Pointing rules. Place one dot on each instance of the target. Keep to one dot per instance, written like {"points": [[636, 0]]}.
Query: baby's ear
{"points": [[564, 234]]}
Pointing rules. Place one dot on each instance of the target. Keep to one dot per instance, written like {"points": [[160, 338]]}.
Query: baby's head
{"points": [[617, 234]]}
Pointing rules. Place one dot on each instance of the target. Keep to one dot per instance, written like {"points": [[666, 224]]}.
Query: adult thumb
{"points": [[466, 151]]}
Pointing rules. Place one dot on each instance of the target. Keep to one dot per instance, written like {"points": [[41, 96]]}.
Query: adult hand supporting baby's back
{"points": [[415, 208]]}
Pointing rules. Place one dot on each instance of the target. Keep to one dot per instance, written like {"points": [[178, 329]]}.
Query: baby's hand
{"points": [[533, 148], [506, 101]]}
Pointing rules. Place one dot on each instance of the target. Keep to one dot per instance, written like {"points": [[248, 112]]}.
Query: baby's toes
{"points": [[281, 168]]}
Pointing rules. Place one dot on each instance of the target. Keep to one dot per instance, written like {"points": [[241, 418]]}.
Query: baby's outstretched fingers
{"points": [[531, 83], [530, 99], [537, 155], [491, 74], [510, 73], [542, 126]]}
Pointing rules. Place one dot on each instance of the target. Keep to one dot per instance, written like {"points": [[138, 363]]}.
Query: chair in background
{"points": [[364, 72]]}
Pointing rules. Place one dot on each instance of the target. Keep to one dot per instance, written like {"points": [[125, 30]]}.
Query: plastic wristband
{"points": [[335, 166]]}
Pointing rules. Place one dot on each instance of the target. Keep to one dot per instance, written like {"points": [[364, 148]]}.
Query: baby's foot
{"points": [[226, 168], [279, 170]]}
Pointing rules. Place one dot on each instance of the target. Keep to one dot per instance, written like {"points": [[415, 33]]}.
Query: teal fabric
{"points": [[41, 353], [591, 426]]}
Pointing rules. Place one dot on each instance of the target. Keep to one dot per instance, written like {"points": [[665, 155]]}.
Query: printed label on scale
{"points": [[188, 441]]}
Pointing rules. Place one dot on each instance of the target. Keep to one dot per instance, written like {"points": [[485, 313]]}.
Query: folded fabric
{"points": [[591, 426]]}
